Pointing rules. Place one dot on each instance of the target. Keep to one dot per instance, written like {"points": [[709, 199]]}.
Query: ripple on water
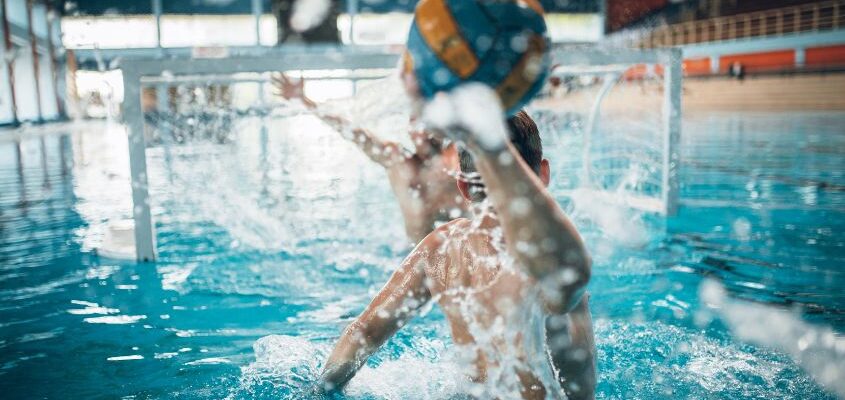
{"points": [[637, 360]]}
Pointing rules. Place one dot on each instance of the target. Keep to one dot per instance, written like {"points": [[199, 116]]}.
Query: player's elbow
{"points": [[573, 271]]}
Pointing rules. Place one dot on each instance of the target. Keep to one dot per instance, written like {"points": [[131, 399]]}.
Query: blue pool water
{"points": [[269, 244]]}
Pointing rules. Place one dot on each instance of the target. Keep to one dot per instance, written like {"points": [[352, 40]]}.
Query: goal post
{"points": [[138, 73], [609, 67]]}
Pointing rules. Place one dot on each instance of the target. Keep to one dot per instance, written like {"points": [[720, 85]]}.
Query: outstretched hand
{"points": [[287, 88], [290, 89]]}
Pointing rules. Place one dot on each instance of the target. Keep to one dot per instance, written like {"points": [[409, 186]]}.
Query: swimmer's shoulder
{"points": [[457, 226], [444, 234], [438, 249]]}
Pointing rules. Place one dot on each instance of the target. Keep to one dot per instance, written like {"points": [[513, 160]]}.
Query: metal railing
{"points": [[814, 17]]}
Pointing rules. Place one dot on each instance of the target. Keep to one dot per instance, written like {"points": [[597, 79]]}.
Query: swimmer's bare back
{"points": [[448, 264], [479, 293]]}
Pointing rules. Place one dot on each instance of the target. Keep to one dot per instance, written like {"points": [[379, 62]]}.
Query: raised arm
{"points": [[538, 234], [380, 151], [397, 302]]}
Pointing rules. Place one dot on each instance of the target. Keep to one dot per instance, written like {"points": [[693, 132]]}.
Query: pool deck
{"points": [[817, 91], [796, 92]]}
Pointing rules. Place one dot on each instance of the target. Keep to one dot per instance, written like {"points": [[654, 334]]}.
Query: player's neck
{"points": [[484, 216]]}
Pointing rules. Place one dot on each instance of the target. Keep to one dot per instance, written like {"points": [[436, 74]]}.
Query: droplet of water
{"points": [[742, 229]]}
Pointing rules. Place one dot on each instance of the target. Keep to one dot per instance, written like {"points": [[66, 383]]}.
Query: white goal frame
{"points": [[612, 63], [136, 71]]}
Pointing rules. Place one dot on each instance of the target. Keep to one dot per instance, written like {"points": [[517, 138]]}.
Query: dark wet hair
{"points": [[524, 135]]}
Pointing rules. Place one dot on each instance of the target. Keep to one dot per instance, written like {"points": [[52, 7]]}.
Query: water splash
{"points": [[647, 360], [285, 365], [289, 366], [817, 349], [459, 110]]}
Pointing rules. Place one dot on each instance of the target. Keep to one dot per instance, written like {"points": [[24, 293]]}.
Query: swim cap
{"points": [[501, 43]]}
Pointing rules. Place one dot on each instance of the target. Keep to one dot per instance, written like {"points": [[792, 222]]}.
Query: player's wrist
{"points": [[308, 102]]}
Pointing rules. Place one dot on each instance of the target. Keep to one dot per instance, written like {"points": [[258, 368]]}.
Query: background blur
{"points": [[63, 57], [273, 231]]}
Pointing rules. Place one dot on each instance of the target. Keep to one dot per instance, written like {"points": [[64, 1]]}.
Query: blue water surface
{"points": [[270, 242]]}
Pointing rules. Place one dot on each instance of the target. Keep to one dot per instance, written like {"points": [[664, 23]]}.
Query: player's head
{"points": [[525, 137]]}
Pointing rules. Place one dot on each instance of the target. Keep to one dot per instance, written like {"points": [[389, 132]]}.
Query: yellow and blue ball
{"points": [[501, 43]]}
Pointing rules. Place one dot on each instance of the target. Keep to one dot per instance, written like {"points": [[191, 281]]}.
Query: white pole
{"points": [[157, 13], [672, 83], [800, 57], [352, 10], [133, 115], [7, 80], [256, 13], [163, 108], [715, 62], [592, 124], [603, 17]]}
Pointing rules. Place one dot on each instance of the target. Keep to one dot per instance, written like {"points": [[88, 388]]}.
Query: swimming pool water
{"points": [[271, 243]]}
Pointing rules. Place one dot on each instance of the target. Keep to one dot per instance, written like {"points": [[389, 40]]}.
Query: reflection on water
{"points": [[271, 242]]}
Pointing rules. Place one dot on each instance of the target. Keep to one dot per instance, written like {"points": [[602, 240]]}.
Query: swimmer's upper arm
{"points": [[397, 302], [539, 236], [383, 152], [378, 150]]}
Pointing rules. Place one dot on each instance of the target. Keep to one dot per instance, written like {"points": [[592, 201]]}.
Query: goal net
{"points": [[615, 118], [191, 105]]}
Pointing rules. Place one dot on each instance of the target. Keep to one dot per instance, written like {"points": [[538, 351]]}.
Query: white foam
{"points": [[293, 364], [119, 240], [659, 360], [115, 319], [408, 377], [817, 349], [471, 107], [91, 308], [279, 358], [616, 220], [210, 361], [126, 358]]}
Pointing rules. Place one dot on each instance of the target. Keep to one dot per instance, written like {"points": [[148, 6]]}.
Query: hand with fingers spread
{"points": [[289, 89]]}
